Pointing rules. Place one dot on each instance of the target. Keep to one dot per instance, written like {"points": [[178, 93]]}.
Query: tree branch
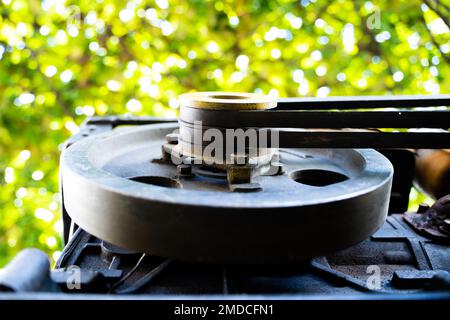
{"points": [[438, 12], [446, 58]]}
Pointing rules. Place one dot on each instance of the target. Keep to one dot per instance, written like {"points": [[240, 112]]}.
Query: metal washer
{"points": [[227, 101]]}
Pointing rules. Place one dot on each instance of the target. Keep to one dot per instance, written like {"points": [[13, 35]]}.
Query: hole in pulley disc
{"points": [[317, 177], [157, 181]]}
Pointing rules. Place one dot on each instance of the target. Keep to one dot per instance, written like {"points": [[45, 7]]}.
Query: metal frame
{"points": [[420, 252]]}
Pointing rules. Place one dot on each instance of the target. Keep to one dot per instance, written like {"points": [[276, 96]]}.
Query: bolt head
{"points": [[276, 168], [172, 138]]}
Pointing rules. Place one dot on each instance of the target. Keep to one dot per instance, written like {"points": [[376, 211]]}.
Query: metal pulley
{"points": [[303, 194]]}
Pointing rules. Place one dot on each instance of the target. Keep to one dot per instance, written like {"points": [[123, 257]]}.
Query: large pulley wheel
{"points": [[116, 187]]}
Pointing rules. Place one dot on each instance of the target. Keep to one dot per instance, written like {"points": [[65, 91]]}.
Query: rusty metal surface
{"points": [[203, 220], [434, 222]]}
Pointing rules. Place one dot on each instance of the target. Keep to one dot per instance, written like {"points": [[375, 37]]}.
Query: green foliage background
{"points": [[61, 61]]}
